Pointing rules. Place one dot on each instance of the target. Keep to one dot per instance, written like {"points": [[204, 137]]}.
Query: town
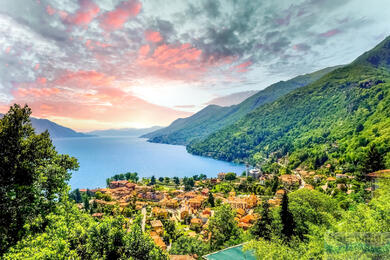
{"points": [[188, 203]]}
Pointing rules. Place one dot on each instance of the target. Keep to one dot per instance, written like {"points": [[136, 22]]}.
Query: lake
{"points": [[103, 157]]}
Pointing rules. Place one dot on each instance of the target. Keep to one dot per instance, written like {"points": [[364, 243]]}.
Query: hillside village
{"points": [[190, 209]]}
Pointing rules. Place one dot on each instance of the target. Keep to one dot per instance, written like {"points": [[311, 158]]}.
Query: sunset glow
{"points": [[93, 64]]}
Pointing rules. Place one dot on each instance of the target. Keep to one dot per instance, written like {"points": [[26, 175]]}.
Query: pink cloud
{"points": [[152, 36], [50, 10], [121, 14], [36, 67], [85, 14], [243, 67], [330, 33]]}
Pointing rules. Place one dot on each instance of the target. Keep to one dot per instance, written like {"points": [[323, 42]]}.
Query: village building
{"points": [[159, 212], [118, 184], [289, 180], [221, 176], [157, 226]]}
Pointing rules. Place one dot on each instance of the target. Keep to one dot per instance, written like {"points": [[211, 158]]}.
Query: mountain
{"points": [[342, 119], [124, 131], [212, 118], [232, 99], [55, 130]]}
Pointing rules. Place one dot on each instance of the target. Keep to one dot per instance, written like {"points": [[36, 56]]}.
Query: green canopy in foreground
{"points": [[235, 253]]}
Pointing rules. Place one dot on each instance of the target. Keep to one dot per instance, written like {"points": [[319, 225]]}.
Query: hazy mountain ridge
{"points": [[212, 118], [55, 130], [124, 131], [335, 119]]}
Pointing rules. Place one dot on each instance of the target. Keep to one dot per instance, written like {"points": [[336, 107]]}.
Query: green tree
{"points": [[152, 180], [223, 228], [210, 200], [287, 219], [230, 176], [188, 246], [374, 160], [262, 226], [167, 180], [161, 179], [33, 175], [176, 180]]}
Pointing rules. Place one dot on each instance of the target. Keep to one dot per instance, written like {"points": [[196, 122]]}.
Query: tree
{"points": [[167, 180], [223, 228], [161, 179], [262, 226], [230, 176], [176, 180], [75, 195], [287, 219], [152, 180], [186, 245], [374, 160], [211, 200], [33, 175]]}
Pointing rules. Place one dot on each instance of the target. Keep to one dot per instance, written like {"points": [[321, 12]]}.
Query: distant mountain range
{"points": [[124, 131], [55, 130], [213, 118], [335, 120]]}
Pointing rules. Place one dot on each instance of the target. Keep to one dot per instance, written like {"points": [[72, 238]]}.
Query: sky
{"points": [[98, 64]]}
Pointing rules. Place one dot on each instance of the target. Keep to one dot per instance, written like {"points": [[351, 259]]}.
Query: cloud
{"points": [[85, 14], [59, 55], [115, 19]]}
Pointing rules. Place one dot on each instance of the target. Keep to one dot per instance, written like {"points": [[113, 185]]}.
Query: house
{"points": [[251, 201], [205, 192], [97, 215], [117, 184], [159, 242], [280, 193], [184, 213], [221, 175], [237, 203], [248, 219], [204, 218], [290, 180], [157, 226], [243, 225], [240, 212], [196, 223], [255, 173], [331, 179], [309, 187], [159, 212]]}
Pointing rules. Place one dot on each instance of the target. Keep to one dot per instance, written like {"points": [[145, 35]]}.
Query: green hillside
{"points": [[342, 119], [213, 117]]}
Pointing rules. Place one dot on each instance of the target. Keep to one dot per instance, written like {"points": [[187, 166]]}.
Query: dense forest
{"points": [[341, 119], [212, 118]]}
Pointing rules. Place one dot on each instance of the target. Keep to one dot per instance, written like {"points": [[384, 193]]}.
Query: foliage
{"points": [[230, 176], [185, 245], [319, 120], [262, 226], [223, 228], [32, 174], [210, 200], [129, 176], [287, 218]]}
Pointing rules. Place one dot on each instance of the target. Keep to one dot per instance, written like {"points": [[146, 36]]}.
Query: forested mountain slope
{"points": [[343, 119], [213, 117]]}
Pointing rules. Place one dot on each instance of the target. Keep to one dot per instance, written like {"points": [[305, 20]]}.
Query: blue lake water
{"points": [[103, 157]]}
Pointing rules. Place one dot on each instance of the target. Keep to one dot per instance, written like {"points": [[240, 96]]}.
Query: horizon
{"points": [[94, 65]]}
